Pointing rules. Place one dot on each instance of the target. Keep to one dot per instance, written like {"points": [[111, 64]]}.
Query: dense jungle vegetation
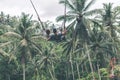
{"points": [[91, 50]]}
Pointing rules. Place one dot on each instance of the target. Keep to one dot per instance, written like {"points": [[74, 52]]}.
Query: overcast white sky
{"points": [[47, 9]]}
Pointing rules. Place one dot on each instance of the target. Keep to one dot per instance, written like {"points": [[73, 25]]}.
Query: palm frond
{"points": [[71, 26], [117, 8], [92, 12], [67, 47], [68, 4], [60, 18], [5, 44], [68, 18], [12, 34], [3, 53], [89, 4], [36, 47], [8, 27], [38, 37]]}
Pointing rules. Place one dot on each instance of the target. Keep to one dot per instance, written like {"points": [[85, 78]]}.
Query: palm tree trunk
{"points": [[65, 14], [82, 68], [86, 69], [53, 71], [71, 64], [67, 73], [89, 61], [36, 74], [72, 69], [78, 70], [51, 74], [23, 67], [8, 77], [98, 71]]}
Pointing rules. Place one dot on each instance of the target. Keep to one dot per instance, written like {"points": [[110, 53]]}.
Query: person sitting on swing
{"points": [[63, 34], [47, 34], [58, 37]]}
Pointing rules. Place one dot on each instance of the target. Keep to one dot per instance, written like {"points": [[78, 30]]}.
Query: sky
{"points": [[47, 9]]}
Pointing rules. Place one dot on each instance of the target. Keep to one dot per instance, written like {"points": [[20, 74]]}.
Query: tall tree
{"points": [[109, 16], [23, 39], [77, 14]]}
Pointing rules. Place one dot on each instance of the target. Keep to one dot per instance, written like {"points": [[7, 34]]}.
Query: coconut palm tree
{"points": [[23, 39], [109, 20], [77, 14], [100, 47], [109, 16], [2, 18], [44, 64]]}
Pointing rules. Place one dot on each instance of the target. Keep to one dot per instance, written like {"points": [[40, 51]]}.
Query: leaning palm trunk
{"points": [[86, 69], [23, 67], [72, 69], [86, 47], [77, 65], [36, 74], [51, 74], [67, 73], [98, 71], [71, 64], [8, 75], [53, 71]]}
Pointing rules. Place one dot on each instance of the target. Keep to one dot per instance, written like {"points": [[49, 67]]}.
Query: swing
{"points": [[57, 38]]}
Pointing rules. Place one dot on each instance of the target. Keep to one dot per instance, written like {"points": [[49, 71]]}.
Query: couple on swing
{"points": [[56, 36]]}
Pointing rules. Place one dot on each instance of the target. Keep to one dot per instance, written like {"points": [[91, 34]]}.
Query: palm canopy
{"points": [[24, 36], [77, 8], [100, 47], [77, 13], [109, 15], [109, 19]]}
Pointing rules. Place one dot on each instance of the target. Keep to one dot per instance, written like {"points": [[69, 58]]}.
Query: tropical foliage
{"points": [[87, 54]]}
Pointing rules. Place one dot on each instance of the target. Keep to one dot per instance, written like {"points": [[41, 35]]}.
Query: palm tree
{"points": [[109, 17], [109, 21], [2, 18], [100, 47], [23, 39], [77, 16], [49, 58]]}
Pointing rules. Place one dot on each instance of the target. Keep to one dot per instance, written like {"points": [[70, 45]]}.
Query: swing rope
{"points": [[64, 20], [65, 15], [37, 15]]}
